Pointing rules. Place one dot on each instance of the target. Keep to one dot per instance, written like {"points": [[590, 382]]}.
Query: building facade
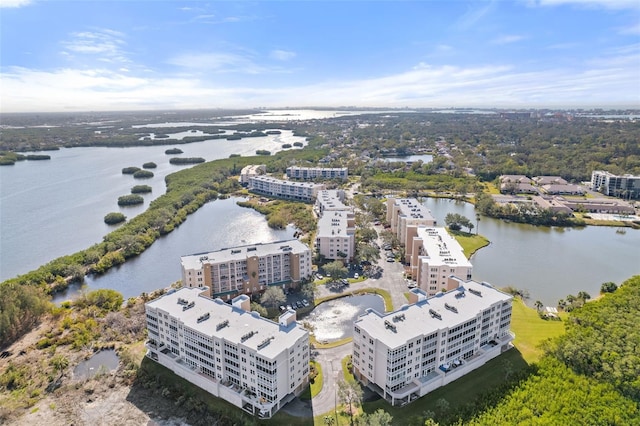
{"points": [[311, 173], [624, 186], [251, 362], [404, 355], [404, 213], [250, 171], [248, 269], [434, 257], [291, 190], [336, 234]]}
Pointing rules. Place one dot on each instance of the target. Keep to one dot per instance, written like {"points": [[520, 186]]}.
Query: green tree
{"points": [[336, 270], [308, 290], [59, 363], [350, 394], [538, 305], [608, 287], [377, 418], [256, 307], [272, 297]]}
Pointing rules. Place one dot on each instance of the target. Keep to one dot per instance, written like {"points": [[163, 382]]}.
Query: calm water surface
{"points": [[333, 320], [549, 262], [54, 208]]}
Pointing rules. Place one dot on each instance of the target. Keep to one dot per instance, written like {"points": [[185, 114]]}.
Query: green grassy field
{"points": [[531, 330], [470, 243]]}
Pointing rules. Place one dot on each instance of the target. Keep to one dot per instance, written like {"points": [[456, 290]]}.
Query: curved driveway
{"points": [[330, 359]]}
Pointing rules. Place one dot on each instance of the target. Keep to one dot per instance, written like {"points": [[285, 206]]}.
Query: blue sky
{"points": [[128, 55]]}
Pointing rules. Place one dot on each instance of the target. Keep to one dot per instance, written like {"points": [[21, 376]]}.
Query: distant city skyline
{"points": [[141, 55]]}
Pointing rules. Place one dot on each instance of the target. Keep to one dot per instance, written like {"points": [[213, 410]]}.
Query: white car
{"points": [[356, 276]]}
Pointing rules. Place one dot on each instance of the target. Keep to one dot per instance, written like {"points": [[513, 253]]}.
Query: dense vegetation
{"points": [[149, 165], [141, 189], [130, 170], [263, 152], [130, 200], [186, 160], [281, 213], [173, 151], [590, 375], [114, 218], [38, 157], [143, 174]]}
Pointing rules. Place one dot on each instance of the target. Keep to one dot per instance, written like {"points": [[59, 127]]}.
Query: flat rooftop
{"points": [[294, 183], [333, 224], [441, 248], [195, 261], [228, 322], [451, 309], [330, 199], [410, 207]]}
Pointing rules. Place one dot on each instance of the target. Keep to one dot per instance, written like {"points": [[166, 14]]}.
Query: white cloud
{"points": [[282, 55], [605, 4], [508, 39], [630, 30], [14, 3], [226, 62], [105, 43], [609, 80]]}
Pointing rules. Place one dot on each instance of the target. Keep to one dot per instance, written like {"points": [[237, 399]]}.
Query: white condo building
{"points": [[625, 186], [252, 170], [310, 173], [251, 362], [291, 190], [404, 355], [247, 269], [403, 213], [335, 237], [434, 257]]}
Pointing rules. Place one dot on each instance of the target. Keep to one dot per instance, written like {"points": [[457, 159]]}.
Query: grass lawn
{"points": [[315, 387], [531, 330], [470, 243]]}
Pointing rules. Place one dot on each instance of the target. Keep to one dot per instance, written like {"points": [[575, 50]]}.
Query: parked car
{"points": [[305, 302], [319, 277], [283, 308], [344, 281], [356, 276], [391, 259]]}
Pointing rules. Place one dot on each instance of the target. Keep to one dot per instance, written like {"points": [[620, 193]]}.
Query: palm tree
{"points": [[538, 305], [60, 363]]}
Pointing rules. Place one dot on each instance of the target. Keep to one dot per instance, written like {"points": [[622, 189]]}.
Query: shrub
{"points": [[263, 152], [173, 151], [149, 165], [114, 218], [141, 189], [190, 160], [143, 174], [130, 200], [286, 146], [130, 170]]}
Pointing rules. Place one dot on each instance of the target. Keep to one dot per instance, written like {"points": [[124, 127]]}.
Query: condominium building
{"points": [[625, 186], [403, 213], [404, 355], [310, 173], [291, 190], [251, 362], [331, 200], [250, 171], [336, 235], [247, 269], [434, 257], [335, 238]]}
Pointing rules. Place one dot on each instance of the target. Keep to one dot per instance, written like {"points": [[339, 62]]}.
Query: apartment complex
{"points": [[252, 170], [335, 238], [625, 186], [404, 355], [311, 173], [434, 257], [405, 213], [251, 362], [291, 190], [247, 269]]}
